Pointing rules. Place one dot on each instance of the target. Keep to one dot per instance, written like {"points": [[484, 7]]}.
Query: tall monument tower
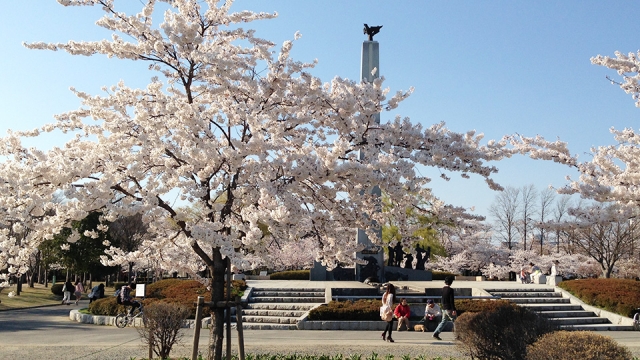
{"points": [[369, 71]]}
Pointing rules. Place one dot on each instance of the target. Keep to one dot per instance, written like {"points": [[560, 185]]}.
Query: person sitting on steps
{"points": [[432, 315], [403, 312]]}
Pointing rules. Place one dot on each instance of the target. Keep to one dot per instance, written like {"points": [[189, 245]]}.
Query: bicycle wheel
{"points": [[122, 320]]}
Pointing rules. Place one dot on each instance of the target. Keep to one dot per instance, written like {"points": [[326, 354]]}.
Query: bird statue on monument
{"points": [[371, 30]]}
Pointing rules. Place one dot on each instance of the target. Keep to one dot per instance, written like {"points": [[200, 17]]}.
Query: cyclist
{"points": [[127, 300]]}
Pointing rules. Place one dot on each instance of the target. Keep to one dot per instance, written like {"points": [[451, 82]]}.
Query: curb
{"points": [[29, 307], [75, 315]]}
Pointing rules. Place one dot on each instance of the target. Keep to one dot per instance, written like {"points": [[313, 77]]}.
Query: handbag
{"points": [[385, 313]]}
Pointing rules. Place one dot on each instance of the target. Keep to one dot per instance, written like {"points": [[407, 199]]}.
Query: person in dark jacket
{"points": [[448, 306], [67, 289], [96, 293]]}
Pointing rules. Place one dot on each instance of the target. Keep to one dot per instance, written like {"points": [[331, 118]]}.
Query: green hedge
{"points": [[291, 275], [369, 310], [583, 345], [57, 290], [177, 291], [621, 296]]}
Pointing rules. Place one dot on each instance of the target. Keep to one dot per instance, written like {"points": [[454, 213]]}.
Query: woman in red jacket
{"points": [[403, 312]]}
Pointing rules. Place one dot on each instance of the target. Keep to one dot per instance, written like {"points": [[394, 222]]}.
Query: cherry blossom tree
{"points": [[602, 232], [610, 177], [249, 135]]}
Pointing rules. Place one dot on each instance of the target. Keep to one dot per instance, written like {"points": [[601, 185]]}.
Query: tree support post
{"points": [[228, 309], [196, 332], [220, 304], [239, 328]]}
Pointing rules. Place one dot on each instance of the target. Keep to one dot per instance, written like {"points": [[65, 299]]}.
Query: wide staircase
{"points": [[278, 308], [551, 304]]}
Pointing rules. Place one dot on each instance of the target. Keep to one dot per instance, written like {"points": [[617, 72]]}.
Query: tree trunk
{"points": [[216, 334], [130, 278]]}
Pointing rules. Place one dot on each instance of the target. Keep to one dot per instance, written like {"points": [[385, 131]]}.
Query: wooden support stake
{"points": [[196, 333], [228, 310], [239, 328], [150, 343]]}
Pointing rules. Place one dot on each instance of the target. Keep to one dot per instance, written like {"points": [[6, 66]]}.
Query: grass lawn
{"points": [[29, 297]]}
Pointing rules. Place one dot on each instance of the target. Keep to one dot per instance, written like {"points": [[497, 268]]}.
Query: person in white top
{"points": [[388, 299], [432, 315], [552, 279]]}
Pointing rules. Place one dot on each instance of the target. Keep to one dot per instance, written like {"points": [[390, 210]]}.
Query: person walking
{"points": [[79, 289], [448, 307], [67, 288], [388, 299], [403, 312]]}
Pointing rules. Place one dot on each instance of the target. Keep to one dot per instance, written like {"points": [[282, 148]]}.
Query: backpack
{"points": [[118, 298]]}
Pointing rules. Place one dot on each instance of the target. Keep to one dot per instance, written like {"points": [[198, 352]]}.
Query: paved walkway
{"points": [[48, 332]]}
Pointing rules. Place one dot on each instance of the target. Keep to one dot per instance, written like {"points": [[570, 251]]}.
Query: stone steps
{"points": [[580, 320], [279, 308], [522, 294], [559, 310], [269, 319], [566, 314], [278, 313], [597, 327], [290, 299], [538, 300], [542, 307], [302, 294]]}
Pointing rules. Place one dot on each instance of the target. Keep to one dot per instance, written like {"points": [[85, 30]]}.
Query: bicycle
{"points": [[126, 318], [636, 320]]}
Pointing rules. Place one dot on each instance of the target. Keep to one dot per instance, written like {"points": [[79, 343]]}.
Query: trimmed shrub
{"points": [[163, 326], [362, 310], [474, 306], [176, 291], [291, 275], [57, 289], [502, 333], [571, 345], [369, 310], [106, 306], [155, 290], [620, 296]]}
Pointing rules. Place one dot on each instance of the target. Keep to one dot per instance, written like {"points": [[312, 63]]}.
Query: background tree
{"points": [[560, 210], [603, 232], [424, 225], [546, 199], [505, 212], [126, 233], [528, 209]]}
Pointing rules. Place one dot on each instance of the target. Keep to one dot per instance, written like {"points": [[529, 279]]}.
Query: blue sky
{"points": [[498, 67]]}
